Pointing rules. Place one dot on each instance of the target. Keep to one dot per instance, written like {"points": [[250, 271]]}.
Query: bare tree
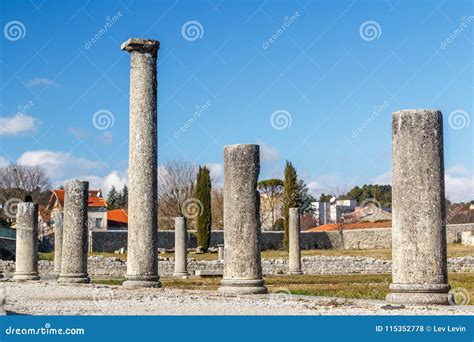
{"points": [[340, 190], [25, 178], [21, 183], [176, 182]]}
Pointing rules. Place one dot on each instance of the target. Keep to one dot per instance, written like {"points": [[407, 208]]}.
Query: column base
{"points": [[141, 281], [74, 278], [243, 286], [22, 276], [295, 272], [419, 294], [181, 274], [55, 275]]}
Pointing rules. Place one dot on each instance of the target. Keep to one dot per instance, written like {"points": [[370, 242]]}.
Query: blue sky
{"points": [[314, 82]]}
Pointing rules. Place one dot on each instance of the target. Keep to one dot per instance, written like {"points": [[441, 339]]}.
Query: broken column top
{"points": [[421, 111], [141, 45]]}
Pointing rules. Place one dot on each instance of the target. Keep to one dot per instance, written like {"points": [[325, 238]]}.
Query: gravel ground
{"points": [[49, 298]]}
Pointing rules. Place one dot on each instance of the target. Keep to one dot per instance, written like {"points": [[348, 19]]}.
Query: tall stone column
{"points": [[419, 268], [57, 217], [142, 260], [294, 257], [75, 227], [26, 261], [242, 240], [180, 251]]}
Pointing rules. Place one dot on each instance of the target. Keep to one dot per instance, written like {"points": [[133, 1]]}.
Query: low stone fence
{"points": [[99, 266], [109, 241]]}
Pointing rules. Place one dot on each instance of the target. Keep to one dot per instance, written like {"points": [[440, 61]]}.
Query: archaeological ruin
{"points": [[419, 243]]}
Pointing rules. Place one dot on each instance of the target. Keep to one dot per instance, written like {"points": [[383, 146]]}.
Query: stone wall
{"points": [[100, 267], [109, 241]]}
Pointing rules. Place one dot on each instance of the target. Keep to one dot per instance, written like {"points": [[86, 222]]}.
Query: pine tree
{"points": [[203, 196], [112, 199], [290, 196], [124, 198], [305, 198]]}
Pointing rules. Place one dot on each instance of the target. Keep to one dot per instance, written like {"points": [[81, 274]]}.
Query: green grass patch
{"points": [[108, 281], [46, 256]]}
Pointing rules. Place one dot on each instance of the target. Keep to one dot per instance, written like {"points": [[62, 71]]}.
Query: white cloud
{"points": [[217, 173], [18, 123], [105, 138], [459, 182], [58, 164], [268, 153], [458, 170], [77, 132], [115, 178], [41, 81], [4, 161], [327, 184], [384, 178]]}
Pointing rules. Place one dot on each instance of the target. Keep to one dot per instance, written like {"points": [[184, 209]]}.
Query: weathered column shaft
{"points": [[142, 260], [75, 227], [220, 252], [180, 250], [57, 217], [294, 255], [418, 221], [26, 260], [242, 240]]}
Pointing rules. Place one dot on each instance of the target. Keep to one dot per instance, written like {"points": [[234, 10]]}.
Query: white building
{"points": [[332, 212]]}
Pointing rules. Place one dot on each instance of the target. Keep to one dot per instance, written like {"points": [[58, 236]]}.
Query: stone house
{"points": [[96, 211]]}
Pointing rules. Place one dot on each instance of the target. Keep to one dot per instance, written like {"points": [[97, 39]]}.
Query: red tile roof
{"points": [[351, 226], [94, 200], [117, 215]]}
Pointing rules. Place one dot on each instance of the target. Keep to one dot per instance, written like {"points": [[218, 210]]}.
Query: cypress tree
{"points": [[203, 196], [290, 196]]}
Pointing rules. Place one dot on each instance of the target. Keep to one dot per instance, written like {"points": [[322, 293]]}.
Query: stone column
{"points": [[242, 240], [26, 261], [294, 255], [180, 251], [57, 217], [142, 260], [75, 227], [220, 252], [419, 268]]}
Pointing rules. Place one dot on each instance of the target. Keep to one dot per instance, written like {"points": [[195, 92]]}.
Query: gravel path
{"points": [[49, 298]]}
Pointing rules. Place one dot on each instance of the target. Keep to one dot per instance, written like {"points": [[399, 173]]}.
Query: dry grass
{"points": [[346, 286]]}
